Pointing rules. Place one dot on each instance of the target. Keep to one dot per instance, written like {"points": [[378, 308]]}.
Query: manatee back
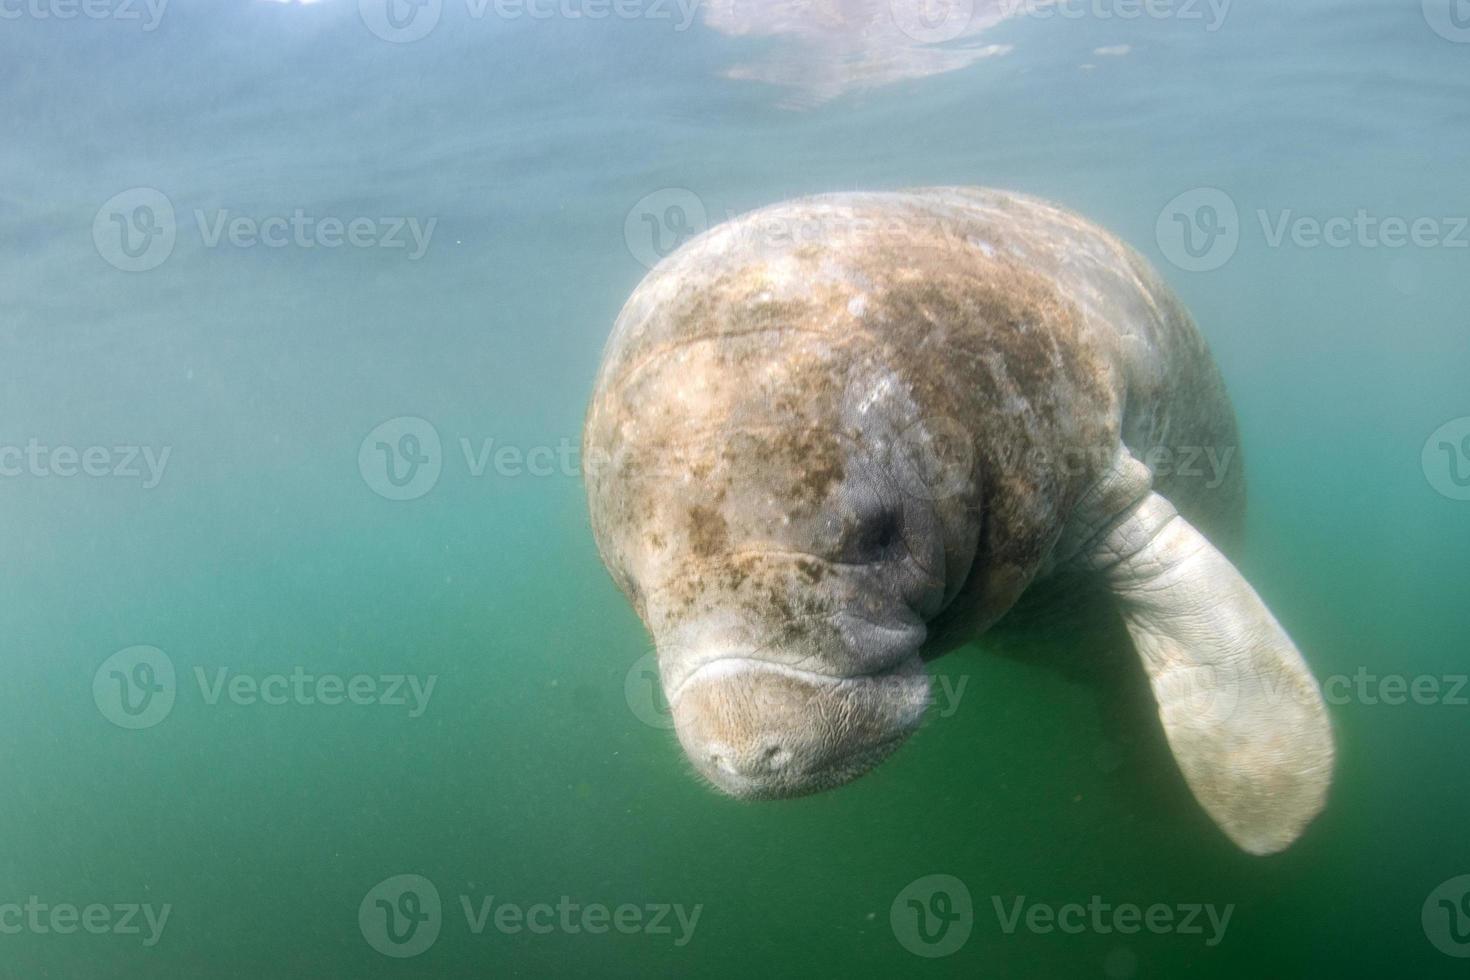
{"points": [[1174, 413]]}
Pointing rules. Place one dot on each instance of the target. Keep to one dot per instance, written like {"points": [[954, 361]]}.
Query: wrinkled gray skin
{"points": [[844, 431]]}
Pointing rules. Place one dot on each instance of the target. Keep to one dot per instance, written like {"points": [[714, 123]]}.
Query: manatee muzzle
{"points": [[758, 729]]}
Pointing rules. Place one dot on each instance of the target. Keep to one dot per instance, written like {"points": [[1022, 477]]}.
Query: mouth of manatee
{"points": [[757, 729]]}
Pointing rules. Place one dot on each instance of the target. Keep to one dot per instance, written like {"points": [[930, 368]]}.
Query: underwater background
{"points": [[310, 664]]}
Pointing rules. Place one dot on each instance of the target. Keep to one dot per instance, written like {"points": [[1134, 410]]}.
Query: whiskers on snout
{"points": [[753, 729]]}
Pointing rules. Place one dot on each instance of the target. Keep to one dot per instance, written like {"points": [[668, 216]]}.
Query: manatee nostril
{"points": [[768, 759], [774, 758]]}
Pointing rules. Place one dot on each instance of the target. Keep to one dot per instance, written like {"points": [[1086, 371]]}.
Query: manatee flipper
{"points": [[1242, 712]]}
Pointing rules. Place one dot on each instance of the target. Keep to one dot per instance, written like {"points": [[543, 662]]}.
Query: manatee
{"points": [[838, 436]]}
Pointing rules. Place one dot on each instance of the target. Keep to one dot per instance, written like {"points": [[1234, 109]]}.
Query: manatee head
{"points": [[784, 515]]}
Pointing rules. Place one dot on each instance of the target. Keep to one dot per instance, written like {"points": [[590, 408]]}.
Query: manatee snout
{"points": [[758, 729]]}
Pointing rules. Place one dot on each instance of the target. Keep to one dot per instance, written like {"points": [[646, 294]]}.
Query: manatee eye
{"points": [[878, 533]]}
